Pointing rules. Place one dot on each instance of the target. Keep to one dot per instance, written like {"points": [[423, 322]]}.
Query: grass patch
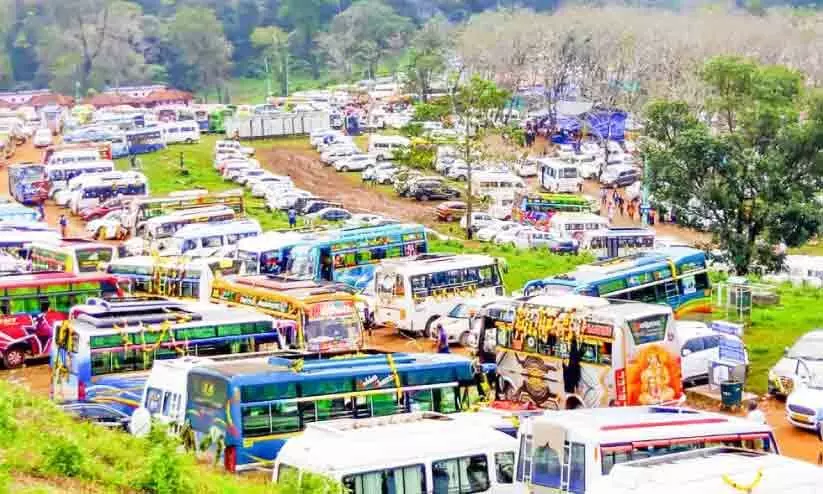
{"points": [[252, 91], [166, 175], [43, 450]]}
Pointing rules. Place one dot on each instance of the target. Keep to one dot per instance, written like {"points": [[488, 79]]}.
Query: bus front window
{"points": [[335, 323], [303, 261], [89, 260], [249, 261]]}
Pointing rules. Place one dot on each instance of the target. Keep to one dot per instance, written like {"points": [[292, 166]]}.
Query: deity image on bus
{"points": [[653, 377]]}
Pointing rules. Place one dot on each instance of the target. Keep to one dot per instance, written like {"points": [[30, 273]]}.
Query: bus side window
{"points": [[504, 466]]}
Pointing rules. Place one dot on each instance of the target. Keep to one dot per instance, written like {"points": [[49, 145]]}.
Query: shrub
{"points": [[63, 457]]}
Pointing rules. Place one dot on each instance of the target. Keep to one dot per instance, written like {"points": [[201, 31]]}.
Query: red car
{"points": [[451, 210], [101, 210]]}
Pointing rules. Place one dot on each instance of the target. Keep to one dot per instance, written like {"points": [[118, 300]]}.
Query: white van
{"points": [[113, 184], [62, 197], [383, 147], [183, 131], [211, 239], [558, 176], [414, 453], [495, 183], [577, 225]]}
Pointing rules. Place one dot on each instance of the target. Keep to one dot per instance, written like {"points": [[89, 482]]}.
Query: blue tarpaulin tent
{"points": [[602, 124]]}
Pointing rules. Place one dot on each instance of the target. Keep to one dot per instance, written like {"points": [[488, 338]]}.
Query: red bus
{"points": [[33, 305]]}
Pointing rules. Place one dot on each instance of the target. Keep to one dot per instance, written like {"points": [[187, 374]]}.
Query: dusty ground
{"points": [[307, 172]]}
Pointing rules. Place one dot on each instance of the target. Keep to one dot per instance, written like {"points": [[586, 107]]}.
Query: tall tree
{"points": [[82, 38], [427, 55], [197, 38], [367, 32], [752, 179], [273, 42], [7, 18], [307, 17]]}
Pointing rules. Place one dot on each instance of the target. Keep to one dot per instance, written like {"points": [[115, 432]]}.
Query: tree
{"points": [[475, 102], [754, 177], [427, 56], [89, 41], [196, 37], [307, 17], [366, 32], [273, 42]]}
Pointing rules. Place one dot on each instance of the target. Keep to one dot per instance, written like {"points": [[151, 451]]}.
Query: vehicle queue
{"points": [[279, 324]]}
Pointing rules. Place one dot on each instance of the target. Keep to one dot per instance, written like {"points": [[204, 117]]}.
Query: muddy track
{"points": [[308, 173]]}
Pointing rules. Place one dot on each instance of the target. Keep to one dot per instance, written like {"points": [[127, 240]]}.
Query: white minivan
{"points": [[559, 176], [384, 147], [183, 131]]}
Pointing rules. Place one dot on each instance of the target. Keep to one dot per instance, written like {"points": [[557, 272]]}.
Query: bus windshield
{"points": [[89, 259], [303, 262], [336, 320]]}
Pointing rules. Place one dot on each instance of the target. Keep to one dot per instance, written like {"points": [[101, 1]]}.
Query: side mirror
{"points": [[686, 352]]}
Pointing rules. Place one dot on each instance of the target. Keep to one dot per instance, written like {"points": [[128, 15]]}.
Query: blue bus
{"points": [[28, 183], [255, 404], [145, 140], [676, 276], [103, 353], [350, 255]]}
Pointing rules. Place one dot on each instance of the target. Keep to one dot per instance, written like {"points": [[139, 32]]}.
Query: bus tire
{"points": [[14, 357], [573, 403]]}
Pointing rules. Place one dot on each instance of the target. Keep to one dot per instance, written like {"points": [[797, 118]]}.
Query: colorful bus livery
{"points": [[28, 183], [105, 351], [256, 404], [70, 256], [33, 305], [538, 208], [676, 276]]}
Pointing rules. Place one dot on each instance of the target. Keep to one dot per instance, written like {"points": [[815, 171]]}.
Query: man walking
{"points": [[292, 217], [64, 223], [442, 340]]}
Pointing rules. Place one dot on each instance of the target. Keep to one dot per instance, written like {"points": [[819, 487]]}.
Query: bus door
{"points": [[326, 264], [612, 247]]}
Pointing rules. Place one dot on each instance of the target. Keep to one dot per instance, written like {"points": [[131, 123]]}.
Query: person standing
{"points": [[292, 217], [64, 223], [442, 340], [41, 210], [755, 414]]}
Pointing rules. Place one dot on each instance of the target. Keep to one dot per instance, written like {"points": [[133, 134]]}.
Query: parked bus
{"points": [[212, 239], [28, 183], [618, 242], [559, 176], [70, 255], [565, 225], [17, 213], [571, 351], [270, 252], [325, 315], [157, 232], [351, 255], [33, 305], [277, 397], [103, 149], [145, 140], [16, 238], [677, 277], [104, 352], [538, 208], [711, 470], [413, 293], [496, 183], [570, 450], [186, 131], [143, 209], [364, 455], [171, 276], [99, 189], [60, 174]]}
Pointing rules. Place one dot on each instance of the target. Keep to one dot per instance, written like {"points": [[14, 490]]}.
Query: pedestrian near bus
{"points": [[64, 223], [442, 340], [41, 210], [292, 217]]}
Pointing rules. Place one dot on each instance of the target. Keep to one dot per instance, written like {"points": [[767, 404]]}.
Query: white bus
{"points": [[713, 470], [62, 197], [70, 256], [572, 351], [83, 155], [270, 252], [158, 231], [212, 239], [186, 131], [415, 453], [492, 183], [571, 450], [559, 176], [576, 225], [60, 174], [113, 184], [172, 277], [618, 242], [384, 147], [413, 292]]}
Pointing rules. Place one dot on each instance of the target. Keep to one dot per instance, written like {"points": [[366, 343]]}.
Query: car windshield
{"points": [[460, 311], [807, 349]]}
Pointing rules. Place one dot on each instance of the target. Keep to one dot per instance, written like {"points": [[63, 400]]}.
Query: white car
{"points": [[459, 170], [356, 163], [565, 151], [479, 220], [385, 170], [261, 187], [799, 363], [107, 227], [332, 155], [366, 219], [804, 406], [698, 346], [234, 170], [250, 173], [285, 200], [459, 322], [508, 236], [267, 178], [42, 137], [489, 233]]}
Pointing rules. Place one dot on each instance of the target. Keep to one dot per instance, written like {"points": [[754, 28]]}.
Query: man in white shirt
{"points": [[755, 415]]}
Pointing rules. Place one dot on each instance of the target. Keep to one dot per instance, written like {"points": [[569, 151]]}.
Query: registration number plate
{"points": [[801, 418]]}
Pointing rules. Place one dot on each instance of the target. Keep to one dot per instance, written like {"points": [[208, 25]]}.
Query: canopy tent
{"points": [[601, 124]]}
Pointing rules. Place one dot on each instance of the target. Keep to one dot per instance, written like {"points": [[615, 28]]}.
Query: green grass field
{"points": [[771, 330]]}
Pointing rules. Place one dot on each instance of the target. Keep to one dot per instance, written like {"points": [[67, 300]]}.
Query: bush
{"points": [[164, 470], [63, 457]]}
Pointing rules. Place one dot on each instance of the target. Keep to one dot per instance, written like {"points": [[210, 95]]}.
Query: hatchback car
{"points": [[619, 176], [699, 345], [804, 406], [489, 232], [357, 162], [479, 220], [424, 190], [330, 214], [799, 363]]}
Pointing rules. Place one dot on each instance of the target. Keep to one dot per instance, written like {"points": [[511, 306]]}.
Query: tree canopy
{"points": [[748, 168]]}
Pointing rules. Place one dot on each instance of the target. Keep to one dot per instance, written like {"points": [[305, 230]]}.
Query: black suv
{"points": [[426, 190]]}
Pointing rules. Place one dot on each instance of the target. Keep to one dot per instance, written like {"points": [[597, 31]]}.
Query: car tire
{"points": [[428, 330], [14, 357], [423, 197], [344, 169]]}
